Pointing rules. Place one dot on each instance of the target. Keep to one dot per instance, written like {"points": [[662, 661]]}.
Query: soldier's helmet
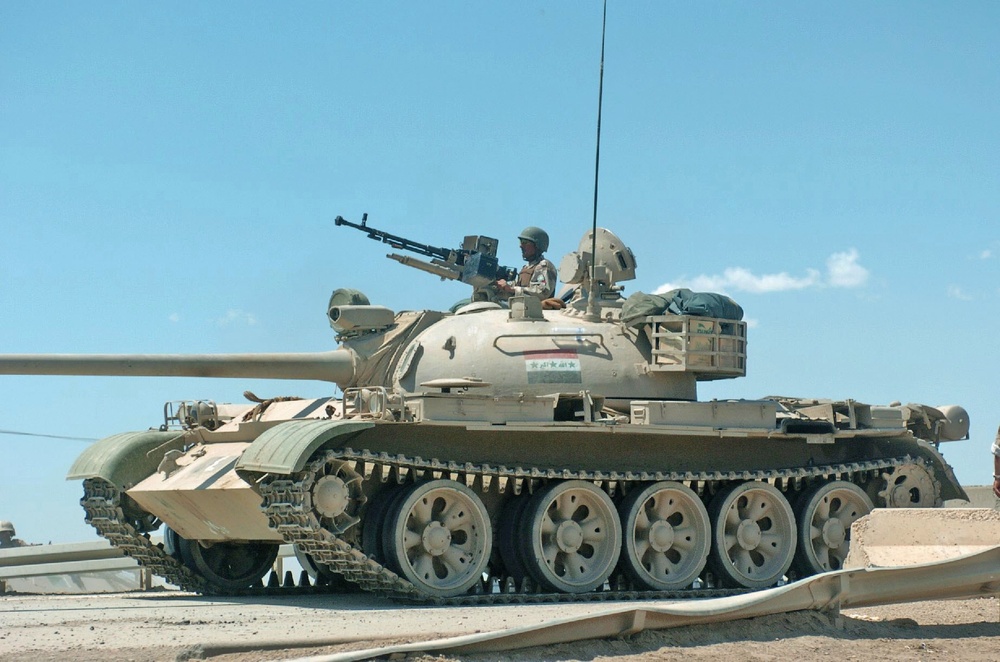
{"points": [[537, 236], [7, 526]]}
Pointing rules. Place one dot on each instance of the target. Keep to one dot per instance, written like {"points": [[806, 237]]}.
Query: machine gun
{"points": [[475, 263]]}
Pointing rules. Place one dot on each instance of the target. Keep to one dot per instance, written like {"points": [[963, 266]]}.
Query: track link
{"points": [[102, 503]]}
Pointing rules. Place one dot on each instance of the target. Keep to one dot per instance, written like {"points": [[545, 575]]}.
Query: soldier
{"points": [[7, 538], [538, 276], [996, 465]]}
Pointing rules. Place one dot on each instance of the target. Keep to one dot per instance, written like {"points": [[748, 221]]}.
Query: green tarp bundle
{"points": [[680, 302]]}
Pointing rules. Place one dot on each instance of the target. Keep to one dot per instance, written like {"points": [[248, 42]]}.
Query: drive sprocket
{"points": [[910, 485]]}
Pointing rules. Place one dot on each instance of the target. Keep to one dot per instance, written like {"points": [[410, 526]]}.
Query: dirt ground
{"points": [[963, 630], [154, 628], [951, 630]]}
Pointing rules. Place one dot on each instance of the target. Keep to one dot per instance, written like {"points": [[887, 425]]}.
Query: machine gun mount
{"points": [[475, 263]]}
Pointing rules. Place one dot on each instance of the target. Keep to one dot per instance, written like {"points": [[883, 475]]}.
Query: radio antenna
{"points": [[593, 312]]}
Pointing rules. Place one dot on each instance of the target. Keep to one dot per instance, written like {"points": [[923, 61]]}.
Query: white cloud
{"points": [[842, 270], [743, 280], [986, 254], [174, 317], [955, 292], [237, 317]]}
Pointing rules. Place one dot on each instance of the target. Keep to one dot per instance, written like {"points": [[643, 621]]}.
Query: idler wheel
{"points": [[666, 536], [438, 536], [753, 535], [824, 515], [336, 494], [573, 536]]}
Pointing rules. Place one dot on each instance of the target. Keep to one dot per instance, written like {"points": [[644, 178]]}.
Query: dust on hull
{"points": [[202, 497]]}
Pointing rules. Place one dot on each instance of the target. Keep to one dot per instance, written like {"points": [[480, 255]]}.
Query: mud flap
{"points": [[125, 459], [286, 448]]}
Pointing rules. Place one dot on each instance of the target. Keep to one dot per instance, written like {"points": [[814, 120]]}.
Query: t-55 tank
{"points": [[506, 450]]}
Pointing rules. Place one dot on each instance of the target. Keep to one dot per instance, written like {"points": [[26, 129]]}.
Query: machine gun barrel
{"points": [[402, 243], [335, 366], [474, 264]]}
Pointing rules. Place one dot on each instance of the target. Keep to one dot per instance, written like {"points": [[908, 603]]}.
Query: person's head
{"points": [[534, 242], [6, 530]]}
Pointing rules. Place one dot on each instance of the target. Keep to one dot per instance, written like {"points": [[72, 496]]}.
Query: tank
{"points": [[506, 450]]}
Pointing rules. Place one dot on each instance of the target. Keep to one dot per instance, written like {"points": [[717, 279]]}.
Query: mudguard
{"points": [[286, 448], [125, 459], [950, 487], [908, 444]]}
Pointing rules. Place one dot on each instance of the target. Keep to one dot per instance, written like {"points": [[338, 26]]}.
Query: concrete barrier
{"points": [[894, 537]]}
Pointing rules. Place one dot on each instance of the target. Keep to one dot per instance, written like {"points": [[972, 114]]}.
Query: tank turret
{"points": [[549, 446]]}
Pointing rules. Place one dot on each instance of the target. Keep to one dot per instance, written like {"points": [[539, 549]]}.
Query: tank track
{"points": [[287, 506], [102, 503]]}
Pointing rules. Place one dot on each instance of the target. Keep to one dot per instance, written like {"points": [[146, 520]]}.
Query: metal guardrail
{"points": [[39, 560], [82, 558]]}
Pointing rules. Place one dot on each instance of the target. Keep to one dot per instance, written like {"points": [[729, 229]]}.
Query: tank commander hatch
{"points": [[538, 277], [7, 538]]}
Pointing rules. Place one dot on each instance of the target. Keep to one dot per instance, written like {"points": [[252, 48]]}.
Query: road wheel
{"points": [[438, 536], [753, 535], [666, 536], [573, 536]]}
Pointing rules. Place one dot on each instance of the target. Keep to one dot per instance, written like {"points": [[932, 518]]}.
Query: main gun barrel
{"points": [[335, 366]]}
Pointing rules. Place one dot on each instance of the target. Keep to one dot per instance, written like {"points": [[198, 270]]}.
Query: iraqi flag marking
{"points": [[553, 367]]}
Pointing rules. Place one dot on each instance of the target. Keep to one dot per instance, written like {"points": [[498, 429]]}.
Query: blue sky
{"points": [[169, 175]]}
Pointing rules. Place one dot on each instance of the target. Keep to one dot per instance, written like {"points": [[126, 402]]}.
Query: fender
{"points": [[950, 487], [286, 448], [125, 459], [926, 451]]}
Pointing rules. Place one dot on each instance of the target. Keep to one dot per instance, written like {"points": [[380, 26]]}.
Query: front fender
{"points": [[125, 459], [286, 448]]}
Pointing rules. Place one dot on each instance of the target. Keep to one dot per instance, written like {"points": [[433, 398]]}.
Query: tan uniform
{"points": [[537, 278]]}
